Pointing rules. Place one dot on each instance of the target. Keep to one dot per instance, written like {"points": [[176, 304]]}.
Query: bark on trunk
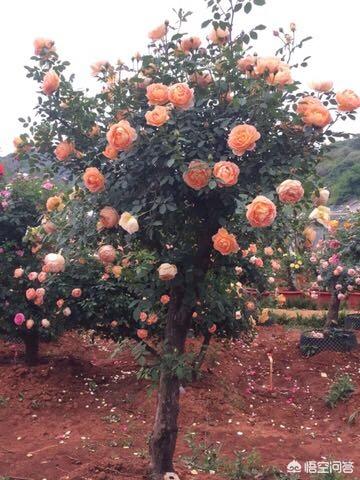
{"points": [[332, 317], [31, 342], [163, 439]]}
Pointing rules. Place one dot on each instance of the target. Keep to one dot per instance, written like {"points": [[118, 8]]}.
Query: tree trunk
{"points": [[31, 342], [333, 311], [163, 439]]}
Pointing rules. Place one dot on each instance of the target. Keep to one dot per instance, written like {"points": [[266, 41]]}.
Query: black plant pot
{"points": [[336, 339], [352, 321]]}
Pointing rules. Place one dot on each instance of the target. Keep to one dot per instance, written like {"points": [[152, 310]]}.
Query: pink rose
{"points": [[19, 319], [290, 191], [334, 259], [30, 293], [32, 276], [18, 272], [351, 272]]}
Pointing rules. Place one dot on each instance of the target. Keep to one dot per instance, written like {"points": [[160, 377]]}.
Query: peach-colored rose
{"points": [[94, 180], [53, 203], [32, 276], [121, 135], [66, 312], [252, 248], [250, 305], [129, 223], [317, 116], [116, 270], [109, 217], [347, 101], [243, 138], [64, 150], [321, 197], [219, 36], [261, 212], [321, 86], [60, 302], [226, 173], [202, 79], [305, 103], [29, 323], [43, 45], [142, 333], [110, 152], [158, 33], [267, 65], [42, 277], [269, 251], [76, 292], [181, 96], [49, 227], [246, 64], [275, 265], [18, 272], [98, 67], [281, 77], [51, 82], [164, 299], [107, 254], [212, 329], [157, 117], [157, 94], [54, 263], [225, 242], [290, 191], [143, 316], [45, 323], [40, 292], [30, 294], [151, 319], [189, 44], [198, 174], [167, 271]]}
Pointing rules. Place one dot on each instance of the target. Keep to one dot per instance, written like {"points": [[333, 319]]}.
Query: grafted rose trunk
{"points": [[332, 317], [31, 342], [163, 439]]}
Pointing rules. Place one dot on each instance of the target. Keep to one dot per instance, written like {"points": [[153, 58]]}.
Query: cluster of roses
{"points": [[276, 72], [332, 272]]}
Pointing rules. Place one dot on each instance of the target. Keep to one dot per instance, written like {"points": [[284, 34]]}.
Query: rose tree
{"points": [[187, 155]]}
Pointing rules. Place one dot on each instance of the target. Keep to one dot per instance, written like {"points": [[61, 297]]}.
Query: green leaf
{"points": [[260, 3], [248, 7]]}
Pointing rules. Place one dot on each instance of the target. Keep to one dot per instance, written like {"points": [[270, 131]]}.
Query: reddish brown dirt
{"points": [[85, 416]]}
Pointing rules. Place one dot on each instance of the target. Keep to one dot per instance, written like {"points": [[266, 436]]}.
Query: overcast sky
{"points": [[89, 30]]}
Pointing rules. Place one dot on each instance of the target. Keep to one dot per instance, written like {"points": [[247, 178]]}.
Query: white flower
{"points": [[167, 271], [129, 223]]}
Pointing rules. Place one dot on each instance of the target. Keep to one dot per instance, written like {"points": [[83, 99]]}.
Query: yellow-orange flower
{"points": [[94, 180], [317, 116], [158, 33], [197, 175], [190, 43], [43, 45], [290, 191], [281, 77], [157, 117], [226, 172], [157, 94], [107, 254], [181, 96], [202, 79], [53, 203], [243, 138], [347, 101], [219, 36], [121, 135], [261, 212], [64, 150], [225, 242], [267, 65], [246, 64], [321, 86], [109, 217], [51, 82], [110, 152]]}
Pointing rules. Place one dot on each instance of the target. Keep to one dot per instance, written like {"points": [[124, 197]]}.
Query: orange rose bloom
{"points": [[164, 299], [347, 101], [305, 103], [94, 180], [110, 152], [151, 319], [198, 175], [227, 173], [43, 44], [317, 116], [224, 242], [242, 138], [261, 212], [219, 36], [158, 33], [212, 329], [281, 77], [109, 217], [121, 135], [107, 254], [290, 191], [246, 64], [157, 117], [76, 292], [322, 86], [53, 203], [268, 251], [51, 82], [157, 94], [201, 79], [64, 150], [267, 65], [181, 96], [189, 44], [142, 333]]}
